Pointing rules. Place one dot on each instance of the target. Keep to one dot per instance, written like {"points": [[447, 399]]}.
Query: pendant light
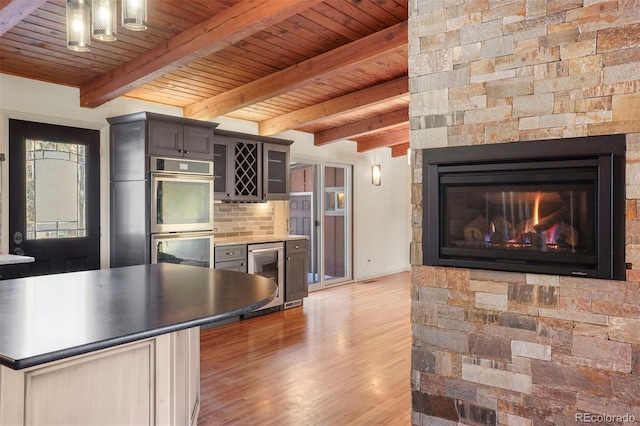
{"points": [[79, 25], [134, 14], [104, 14]]}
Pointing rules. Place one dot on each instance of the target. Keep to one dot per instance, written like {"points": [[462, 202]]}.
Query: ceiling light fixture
{"points": [[85, 19], [78, 25], [134, 14], [104, 14]]}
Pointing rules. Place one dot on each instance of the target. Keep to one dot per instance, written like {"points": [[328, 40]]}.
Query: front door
{"points": [[54, 197]]}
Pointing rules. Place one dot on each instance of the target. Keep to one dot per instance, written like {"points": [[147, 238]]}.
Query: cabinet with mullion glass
{"points": [[275, 178], [250, 168]]}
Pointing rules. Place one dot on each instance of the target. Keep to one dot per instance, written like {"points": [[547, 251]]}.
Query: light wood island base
{"points": [[155, 381]]}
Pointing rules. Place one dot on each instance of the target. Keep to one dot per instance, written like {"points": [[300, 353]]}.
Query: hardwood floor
{"points": [[341, 359]]}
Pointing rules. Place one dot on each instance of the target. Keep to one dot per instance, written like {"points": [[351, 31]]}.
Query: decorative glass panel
{"points": [[56, 190]]}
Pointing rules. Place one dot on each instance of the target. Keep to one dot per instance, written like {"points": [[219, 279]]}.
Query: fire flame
{"points": [[536, 208]]}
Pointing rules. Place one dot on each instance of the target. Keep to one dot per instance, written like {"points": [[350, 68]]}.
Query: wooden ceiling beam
{"points": [[385, 139], [304, 73], [245, 18], [362, 127], [348, 103], [399, 150], [14, 11]]}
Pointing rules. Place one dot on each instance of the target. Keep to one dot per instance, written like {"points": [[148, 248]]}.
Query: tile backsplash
{"points": [[243, 219]]}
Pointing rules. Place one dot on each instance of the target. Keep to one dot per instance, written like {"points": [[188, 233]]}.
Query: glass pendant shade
{"points": [[104, 14], [79, 25], [134, 14]]}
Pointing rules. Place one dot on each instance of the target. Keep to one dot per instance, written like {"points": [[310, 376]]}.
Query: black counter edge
{"points": [[20, 364]]}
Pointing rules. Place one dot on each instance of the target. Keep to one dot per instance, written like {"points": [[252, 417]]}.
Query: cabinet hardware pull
{"points": [[296, 246], [289, 258], [230, 253]]}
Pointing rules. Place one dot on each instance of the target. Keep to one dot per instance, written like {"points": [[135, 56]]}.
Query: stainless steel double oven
{"points": [[182, 211]]}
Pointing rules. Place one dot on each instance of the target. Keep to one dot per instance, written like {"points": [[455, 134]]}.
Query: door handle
{"points": [[18, 251], [17, 237]]}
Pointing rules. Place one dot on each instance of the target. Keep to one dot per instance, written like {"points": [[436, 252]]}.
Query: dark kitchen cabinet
{"points": [[250, 168], [275, 177], [296, 270], [231, 258], [168, 139], [223, 168], [130, 242]]}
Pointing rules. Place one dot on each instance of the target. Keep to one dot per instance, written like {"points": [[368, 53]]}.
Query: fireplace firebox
{"points": [[551, 207]]}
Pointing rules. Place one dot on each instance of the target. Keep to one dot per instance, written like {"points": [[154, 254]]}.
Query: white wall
{"points": [[382, 227]]}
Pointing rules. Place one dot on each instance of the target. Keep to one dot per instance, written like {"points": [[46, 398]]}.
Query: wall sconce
{"points": [[134, 14], [376, 175], [78, 25]]}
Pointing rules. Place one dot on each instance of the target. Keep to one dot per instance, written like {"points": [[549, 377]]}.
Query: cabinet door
{"points": [[198, 143], [275, 180], [223, 170], [165, 139], [247, 171], [296, 278], [130, 240], [127, 151]]}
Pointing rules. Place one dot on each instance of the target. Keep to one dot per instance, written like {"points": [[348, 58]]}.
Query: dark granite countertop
{"points": [[46, 318], [256, 239]]}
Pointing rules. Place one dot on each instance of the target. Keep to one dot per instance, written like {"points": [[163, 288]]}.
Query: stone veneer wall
{"points": [[243, 219], [497, 348]]}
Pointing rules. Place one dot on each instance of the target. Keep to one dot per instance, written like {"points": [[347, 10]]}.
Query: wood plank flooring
{"points": [[341, 359]]}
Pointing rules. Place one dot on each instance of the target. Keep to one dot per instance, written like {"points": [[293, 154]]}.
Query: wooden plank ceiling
{"points": [[334, 68]]}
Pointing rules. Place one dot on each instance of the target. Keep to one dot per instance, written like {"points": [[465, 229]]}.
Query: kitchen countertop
{"points": [[46, 318], [256, 239], [11, 259]]}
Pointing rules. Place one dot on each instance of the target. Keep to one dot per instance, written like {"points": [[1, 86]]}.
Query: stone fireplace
{"points": [[527, 347]]}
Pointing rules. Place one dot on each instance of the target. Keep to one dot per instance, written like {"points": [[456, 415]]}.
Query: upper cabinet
{"points": [[275, 174], [250, 168], [168, 139], [134, 136], [247, 168]]}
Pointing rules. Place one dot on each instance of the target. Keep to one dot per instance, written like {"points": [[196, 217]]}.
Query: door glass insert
{"points": [[56, 190]]}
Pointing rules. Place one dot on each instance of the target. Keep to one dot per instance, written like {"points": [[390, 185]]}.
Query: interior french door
{"points": [[320, 207]]}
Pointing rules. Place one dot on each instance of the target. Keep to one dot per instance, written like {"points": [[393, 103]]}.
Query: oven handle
{"points": [[182, 235], [266, 249], [181, 176]]}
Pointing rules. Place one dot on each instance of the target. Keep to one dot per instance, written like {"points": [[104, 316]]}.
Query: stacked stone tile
{"points": [[498, 348]]}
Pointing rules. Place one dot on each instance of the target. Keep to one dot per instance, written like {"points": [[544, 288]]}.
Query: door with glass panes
{"points": [[54, 202], [320, 207]]}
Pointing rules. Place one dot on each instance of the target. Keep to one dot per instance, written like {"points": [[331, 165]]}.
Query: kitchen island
{"points": [[113, 346]]}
